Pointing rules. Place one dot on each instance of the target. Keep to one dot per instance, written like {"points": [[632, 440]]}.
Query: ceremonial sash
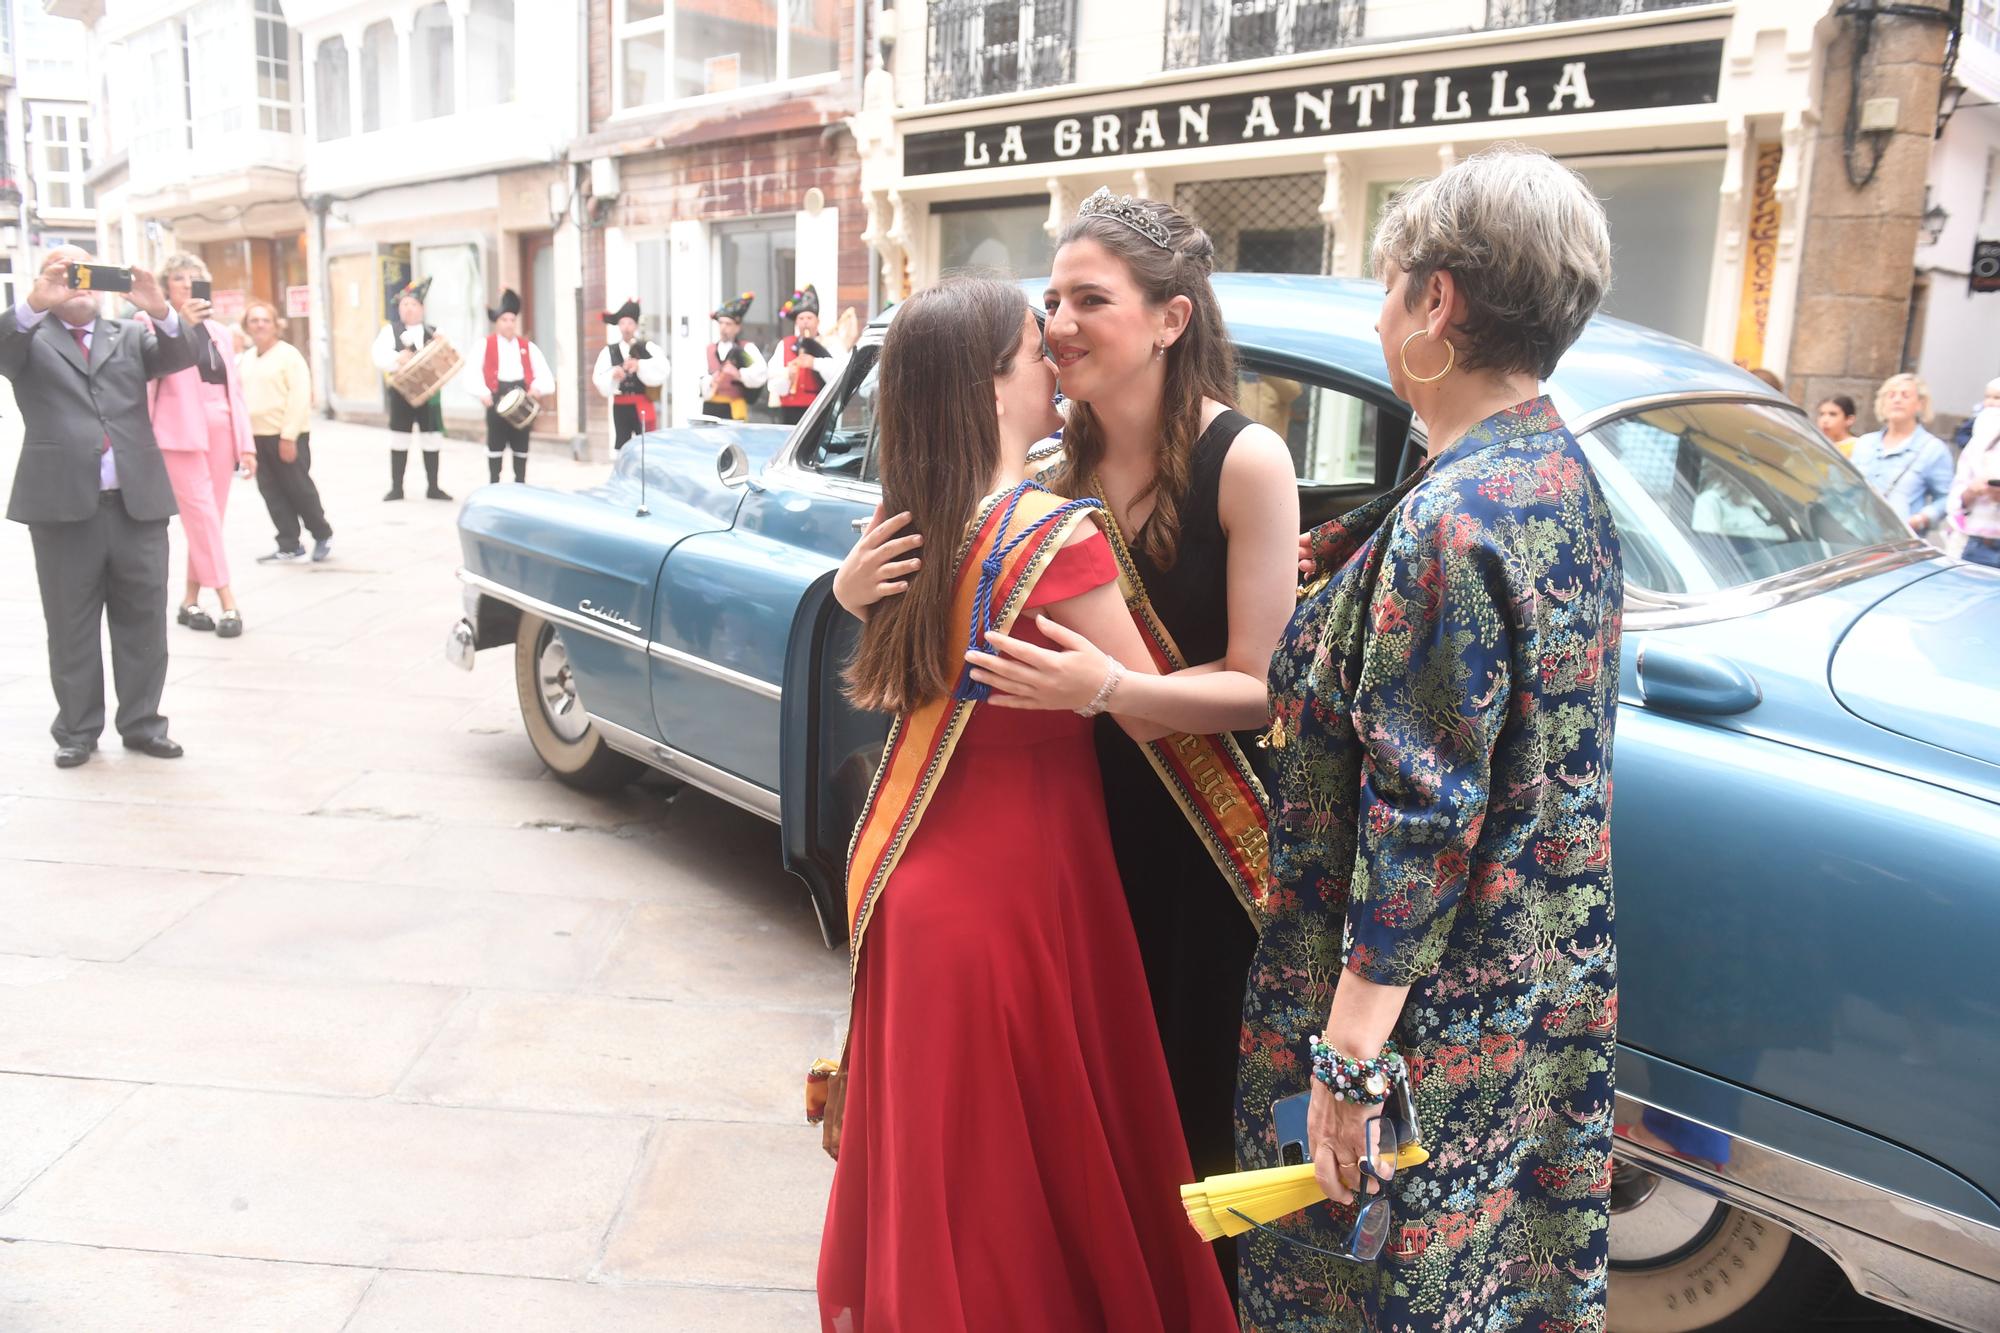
{"points": [[1209, 777], [1014, 537]]}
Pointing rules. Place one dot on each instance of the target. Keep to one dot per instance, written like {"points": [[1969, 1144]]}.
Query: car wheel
{"points": [[558, 727], [1685, 1262]]}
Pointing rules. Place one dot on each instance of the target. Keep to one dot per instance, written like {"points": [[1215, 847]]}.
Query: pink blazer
{"points": [[180, 412]]}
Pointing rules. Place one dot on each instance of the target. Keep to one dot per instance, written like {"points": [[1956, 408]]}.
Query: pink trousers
{"points": [[201, 478]]}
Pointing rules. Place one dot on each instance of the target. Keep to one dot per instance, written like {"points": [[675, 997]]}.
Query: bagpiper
{"points": [[629, 372], [402, 337], [509, 362], [734, 366], [803, 364]]}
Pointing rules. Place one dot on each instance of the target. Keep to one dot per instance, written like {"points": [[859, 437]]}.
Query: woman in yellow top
{"points": [[1836, 422], [277, 387]]}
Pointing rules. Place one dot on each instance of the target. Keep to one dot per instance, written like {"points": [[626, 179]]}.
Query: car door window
{"points": [[846, 445], [1339, 441]]}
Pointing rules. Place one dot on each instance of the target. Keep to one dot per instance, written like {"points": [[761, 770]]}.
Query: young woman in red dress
{"points": [[1009, 1156]]}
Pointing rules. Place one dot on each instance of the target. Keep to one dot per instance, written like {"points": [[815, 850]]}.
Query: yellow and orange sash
{"points": [[1017, 533], [1209, 777]]}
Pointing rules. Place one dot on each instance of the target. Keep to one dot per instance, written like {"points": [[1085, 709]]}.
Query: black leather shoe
{"points": [[395, 493], [72, 756], [157, 746], [436, 493]]}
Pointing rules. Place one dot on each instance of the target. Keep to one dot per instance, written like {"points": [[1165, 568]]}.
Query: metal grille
{"points": [[1213, 32], [980, 47], [1260, 224], [1526, 13]]}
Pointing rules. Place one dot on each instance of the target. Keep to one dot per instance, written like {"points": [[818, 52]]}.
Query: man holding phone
{"points": [[93, 490]]}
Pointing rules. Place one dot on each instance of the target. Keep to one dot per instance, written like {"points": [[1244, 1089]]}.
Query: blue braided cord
{"points": [[989, 580]]}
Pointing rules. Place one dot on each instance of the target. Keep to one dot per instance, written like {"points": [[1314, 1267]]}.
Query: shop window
{"points": [[999, 236], [456, 305], [489, 53], [669, 51], [330, 109], [274, 68], [1664, 212], [381, 77], [650, 260], [1260, 224], [432, 93]]}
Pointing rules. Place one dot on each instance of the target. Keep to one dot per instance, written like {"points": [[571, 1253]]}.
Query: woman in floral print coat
{"points": [[1440, 846]]}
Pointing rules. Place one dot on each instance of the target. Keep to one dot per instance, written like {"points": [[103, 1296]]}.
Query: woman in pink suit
{"points": [[204, 433]]}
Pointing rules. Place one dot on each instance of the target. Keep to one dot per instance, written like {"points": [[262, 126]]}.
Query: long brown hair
{"points": [[1200, 364], [940, 445]]}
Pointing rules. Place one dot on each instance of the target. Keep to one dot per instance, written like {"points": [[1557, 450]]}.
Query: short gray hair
{"points": [[1524, 238], [185, 263]]}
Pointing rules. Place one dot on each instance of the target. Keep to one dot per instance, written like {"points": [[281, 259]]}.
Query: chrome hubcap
{"points": [[556, 683], [1656, 1221]]}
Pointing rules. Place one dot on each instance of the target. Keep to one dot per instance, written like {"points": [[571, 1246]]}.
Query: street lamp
{"points": [[1933, 223]]}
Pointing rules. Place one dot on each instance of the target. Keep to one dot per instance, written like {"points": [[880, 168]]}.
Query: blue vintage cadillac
{"points": [[1808, 773]]}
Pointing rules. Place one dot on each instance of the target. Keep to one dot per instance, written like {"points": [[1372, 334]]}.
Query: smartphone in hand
{"points": [[201, 290], [100, 278]]}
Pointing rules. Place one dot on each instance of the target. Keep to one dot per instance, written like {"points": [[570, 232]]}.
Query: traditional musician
{"points": [[402, 337], [734, 366], [630, 372], [509, 362], [803, 364]]}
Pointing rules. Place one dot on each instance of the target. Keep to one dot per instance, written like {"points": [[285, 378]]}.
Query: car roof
{"points": [[1322, 324]]}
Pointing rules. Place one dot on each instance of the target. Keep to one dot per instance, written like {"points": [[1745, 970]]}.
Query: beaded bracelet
{"points": [[1363, 1082], [1113, 673]]}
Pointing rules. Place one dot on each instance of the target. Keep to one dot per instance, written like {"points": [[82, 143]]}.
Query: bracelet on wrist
{"points": [[1113, 673], [1363, 1082]]}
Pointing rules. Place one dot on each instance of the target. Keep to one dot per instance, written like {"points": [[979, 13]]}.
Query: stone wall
{"points": [[1859, 245]]}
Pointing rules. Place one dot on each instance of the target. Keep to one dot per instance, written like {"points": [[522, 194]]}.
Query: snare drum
{"points": [[517, 407]]}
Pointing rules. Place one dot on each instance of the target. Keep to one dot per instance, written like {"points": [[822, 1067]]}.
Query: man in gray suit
{"points": [[93, 490]]}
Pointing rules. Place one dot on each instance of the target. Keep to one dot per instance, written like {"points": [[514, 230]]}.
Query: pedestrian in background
{"points": [[629, 372], [1836, 422], [1906, 464], [204, 434], [1973, 509], [508, 362], [94, 493], [401, 338], [1963, 435], [277, 387]]}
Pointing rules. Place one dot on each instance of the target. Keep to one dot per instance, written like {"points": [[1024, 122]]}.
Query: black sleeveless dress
{"points": [[1195, 938]]}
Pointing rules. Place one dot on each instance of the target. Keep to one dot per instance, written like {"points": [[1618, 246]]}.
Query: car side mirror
{"points": [[732, 465]]}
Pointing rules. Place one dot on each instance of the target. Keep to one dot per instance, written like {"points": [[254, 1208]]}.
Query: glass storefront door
{"points": [[758, 255]]}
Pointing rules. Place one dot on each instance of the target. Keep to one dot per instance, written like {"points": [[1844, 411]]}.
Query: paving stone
{"points": [[479, 798], [325, 928], [732, 1205], [70, 1288], [329, 1180], [765, 952], [203, 838], [608, 1056], [153, 1024], [97, 912], [41, 1119], [459, 1303]]}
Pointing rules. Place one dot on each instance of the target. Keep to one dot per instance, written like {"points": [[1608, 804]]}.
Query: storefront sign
{"points": [[1760, 257], [298, 302], [1646, 78], [1986, 266], [229, 304]]}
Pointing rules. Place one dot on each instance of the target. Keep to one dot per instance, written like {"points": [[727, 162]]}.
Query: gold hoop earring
{"points": [[1450, 360]]}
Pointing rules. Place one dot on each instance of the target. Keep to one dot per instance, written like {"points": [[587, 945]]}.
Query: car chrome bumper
{"points": [[461, 644]]}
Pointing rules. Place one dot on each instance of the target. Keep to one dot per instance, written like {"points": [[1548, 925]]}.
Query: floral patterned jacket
{"points": [[1444, 701]]}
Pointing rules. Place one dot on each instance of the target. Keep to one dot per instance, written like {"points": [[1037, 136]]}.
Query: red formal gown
{"points": [[1011, 1157]]}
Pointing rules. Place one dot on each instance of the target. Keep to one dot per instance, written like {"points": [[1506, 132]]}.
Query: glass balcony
{"points": [[982, 47], [1216, 32]]}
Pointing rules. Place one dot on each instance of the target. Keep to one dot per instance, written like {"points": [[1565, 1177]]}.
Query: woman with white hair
{"points": [[1973, 508], [1906, 464], [204, 433], [1440, 849]]}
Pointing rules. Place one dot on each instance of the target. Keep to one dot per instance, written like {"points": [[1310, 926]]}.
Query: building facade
{"points": [[718, 161], [46, 195], [1282, 127]]}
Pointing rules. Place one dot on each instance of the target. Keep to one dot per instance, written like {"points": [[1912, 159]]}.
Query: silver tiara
{"points": [[1122, 208]]}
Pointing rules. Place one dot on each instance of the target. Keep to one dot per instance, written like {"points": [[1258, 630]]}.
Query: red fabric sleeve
{"points": [[1075, 570]]}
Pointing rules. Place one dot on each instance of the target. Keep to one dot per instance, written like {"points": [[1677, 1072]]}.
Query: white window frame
{"points": [[412, 75], [75, 118], [344, 84], [271, 12], [1982, 23], [622, 28]]}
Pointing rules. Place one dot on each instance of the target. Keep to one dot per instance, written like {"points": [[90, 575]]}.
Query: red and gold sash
{"points": [[1209, 777], [1018, 532]]}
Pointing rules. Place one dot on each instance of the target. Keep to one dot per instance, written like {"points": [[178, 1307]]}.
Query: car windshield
{"points": [[1713, 495]]}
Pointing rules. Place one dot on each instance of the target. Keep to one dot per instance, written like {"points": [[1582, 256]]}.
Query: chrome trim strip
{"points": [[715, 781], [1646, 609], [1590, 421], [715, 670], [611, 634], [560, 615], [1936, 1264]]}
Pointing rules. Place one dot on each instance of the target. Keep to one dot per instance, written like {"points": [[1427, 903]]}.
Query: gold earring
{"points": [[1450, 360]]}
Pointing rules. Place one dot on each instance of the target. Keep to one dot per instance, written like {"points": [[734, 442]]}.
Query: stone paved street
{"points": [[353, 1019]]}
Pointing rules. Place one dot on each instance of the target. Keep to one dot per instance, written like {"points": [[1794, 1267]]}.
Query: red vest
{"points": [[493, 364], [806, 383]]}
